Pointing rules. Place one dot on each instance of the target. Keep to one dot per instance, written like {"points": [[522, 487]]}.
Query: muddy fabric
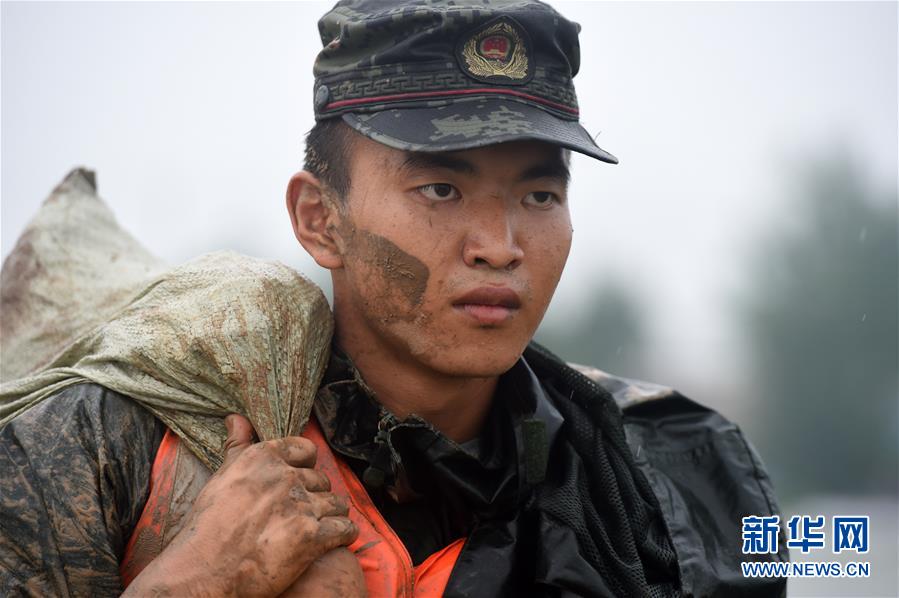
{"points": [[223, 333], [434, 490], [76, 473]]}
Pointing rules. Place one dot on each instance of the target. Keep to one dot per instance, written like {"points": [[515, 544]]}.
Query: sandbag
{"points": [[71, 269], [222, 333]]}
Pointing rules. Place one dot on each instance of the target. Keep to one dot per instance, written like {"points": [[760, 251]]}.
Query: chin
{"points": [[475, 360], [468, 368], [461, 351]]}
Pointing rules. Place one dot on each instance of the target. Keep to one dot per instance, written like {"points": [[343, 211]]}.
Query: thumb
{"points": [[240, 436]]}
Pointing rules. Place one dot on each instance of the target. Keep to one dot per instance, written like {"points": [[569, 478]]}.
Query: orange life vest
{"points": [[385, 562]]}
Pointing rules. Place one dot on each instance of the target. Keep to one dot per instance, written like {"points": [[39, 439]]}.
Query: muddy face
{"points": [[450, 260], [400, 278]]}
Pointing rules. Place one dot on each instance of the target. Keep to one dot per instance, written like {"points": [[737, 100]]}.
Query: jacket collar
{"points": [[489, 473]]}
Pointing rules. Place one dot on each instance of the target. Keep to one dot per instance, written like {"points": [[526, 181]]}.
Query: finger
{"points": [[240, 436], [336, 531], [294, 450], [326, 504], [313, 480]]}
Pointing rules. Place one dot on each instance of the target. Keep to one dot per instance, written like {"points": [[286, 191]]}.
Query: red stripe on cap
{"points": [[456, 92]]}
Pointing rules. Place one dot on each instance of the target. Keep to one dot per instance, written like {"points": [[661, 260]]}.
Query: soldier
{"points": [[447, 453]]}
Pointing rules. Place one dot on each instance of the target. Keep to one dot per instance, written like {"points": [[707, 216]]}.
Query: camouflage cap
{"points": [[444, 75]]}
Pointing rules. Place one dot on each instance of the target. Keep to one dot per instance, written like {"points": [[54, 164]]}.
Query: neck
{"points": [[455, 405]]}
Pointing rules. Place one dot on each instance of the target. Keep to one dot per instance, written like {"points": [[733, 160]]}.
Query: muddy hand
{"points": [[257, 525], [335, 574]]}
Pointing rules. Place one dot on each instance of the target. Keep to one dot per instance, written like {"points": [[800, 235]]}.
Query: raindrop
{"points": [[864, 317], [863, 234]]}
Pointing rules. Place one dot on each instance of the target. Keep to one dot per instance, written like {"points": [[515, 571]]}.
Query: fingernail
{"points": [[229, 423]]}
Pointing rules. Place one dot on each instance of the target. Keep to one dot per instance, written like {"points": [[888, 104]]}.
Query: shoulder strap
{"points": [[178, 476], [175, 481]]}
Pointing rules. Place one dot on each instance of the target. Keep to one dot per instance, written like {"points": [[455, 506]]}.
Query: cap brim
{"points": [[471, 124]]}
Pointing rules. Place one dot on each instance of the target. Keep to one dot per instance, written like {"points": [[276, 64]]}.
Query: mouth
{"points": [[489, 305]]}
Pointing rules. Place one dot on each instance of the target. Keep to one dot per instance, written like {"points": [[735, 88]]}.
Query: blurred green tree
{"points": [[822, 320], [607, 332]]}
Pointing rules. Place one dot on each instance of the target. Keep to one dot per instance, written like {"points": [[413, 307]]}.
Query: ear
{"points": [[314, 219]]}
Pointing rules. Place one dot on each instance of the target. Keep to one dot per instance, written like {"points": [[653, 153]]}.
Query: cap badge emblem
{"points": [[498, 51], [495, 47]]}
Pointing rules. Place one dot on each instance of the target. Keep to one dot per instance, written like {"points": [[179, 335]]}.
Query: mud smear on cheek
{"points": [[401, 279]]}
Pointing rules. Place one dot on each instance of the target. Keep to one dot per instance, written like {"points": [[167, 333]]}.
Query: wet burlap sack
{"points": [[81, 300]]}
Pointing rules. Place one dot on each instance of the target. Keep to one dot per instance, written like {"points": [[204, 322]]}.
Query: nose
{"points": [[492, 239]]}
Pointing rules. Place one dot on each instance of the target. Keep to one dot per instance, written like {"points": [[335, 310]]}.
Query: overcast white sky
{"points": [[193, 117]]}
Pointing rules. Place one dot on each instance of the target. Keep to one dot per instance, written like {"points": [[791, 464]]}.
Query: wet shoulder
{"points": [[77, 469], [88, 404]]}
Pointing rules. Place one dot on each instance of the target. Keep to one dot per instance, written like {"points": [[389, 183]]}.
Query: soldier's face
{"points": [[451, 259]]}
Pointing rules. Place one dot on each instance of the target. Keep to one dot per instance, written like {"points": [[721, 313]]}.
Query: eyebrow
{"points": [[554, 168], [424, 161], [551, 169]]}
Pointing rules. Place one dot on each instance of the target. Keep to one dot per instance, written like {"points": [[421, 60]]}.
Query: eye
{"points": [[541, 199], [439, 192]]}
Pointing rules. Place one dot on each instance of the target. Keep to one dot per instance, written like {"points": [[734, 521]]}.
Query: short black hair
{"points": [[328, 146]]}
